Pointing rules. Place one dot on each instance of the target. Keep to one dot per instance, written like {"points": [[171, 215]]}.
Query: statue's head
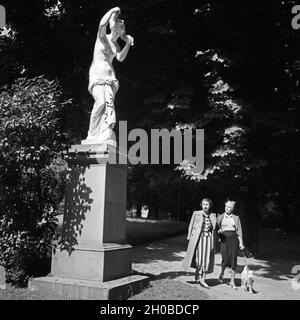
{"points": [[117, 25]]}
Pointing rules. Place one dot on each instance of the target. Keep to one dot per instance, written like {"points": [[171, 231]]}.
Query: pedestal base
{"points": [[65, 288], [105, 262]]}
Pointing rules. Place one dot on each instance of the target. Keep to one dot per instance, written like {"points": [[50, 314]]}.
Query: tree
{"points": [[31, 175]]}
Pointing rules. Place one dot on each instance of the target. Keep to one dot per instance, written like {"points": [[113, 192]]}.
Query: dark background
{"points": [[243, 90]]}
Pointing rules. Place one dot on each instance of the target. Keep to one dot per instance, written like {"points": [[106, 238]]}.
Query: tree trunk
{"points": [[250, 218]]}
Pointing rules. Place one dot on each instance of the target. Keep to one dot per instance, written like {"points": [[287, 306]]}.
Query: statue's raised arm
{"points": [[111, 14]]}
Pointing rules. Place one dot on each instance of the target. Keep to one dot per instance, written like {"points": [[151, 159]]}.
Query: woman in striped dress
{"points": [[200, 252]]}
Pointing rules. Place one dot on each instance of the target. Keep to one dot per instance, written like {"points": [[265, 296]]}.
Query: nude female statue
{"points": [[103, 84]]}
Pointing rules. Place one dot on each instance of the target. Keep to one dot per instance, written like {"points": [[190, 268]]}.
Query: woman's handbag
{"points": [[221, 235]]}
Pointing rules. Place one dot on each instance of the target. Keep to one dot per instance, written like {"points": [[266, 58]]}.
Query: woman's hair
{"points": [[231, 202], [207, 200]]}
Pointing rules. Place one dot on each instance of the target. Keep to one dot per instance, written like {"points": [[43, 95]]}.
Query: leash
{"points": [[245, 259]]}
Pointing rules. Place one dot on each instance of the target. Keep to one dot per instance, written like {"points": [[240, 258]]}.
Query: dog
{"points": [[247, 279]]}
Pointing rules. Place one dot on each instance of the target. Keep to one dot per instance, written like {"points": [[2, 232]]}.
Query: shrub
{"points": [[31, 178]]}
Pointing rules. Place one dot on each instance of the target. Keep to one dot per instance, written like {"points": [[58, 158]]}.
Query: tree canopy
{"points": [[231, 68]]}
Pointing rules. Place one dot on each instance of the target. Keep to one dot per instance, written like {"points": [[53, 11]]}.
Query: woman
{"points": [[200, 252], [230, 231], [103, 84]]}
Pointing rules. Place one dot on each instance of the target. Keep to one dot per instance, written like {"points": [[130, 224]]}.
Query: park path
{"points": [[279, 253]]}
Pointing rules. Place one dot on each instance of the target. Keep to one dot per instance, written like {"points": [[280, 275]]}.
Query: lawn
{"points": [[167, 289], [141, 231], [12, 293]]}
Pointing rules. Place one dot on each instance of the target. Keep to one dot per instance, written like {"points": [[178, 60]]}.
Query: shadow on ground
{"points": [[172, 249], [279, 253]]}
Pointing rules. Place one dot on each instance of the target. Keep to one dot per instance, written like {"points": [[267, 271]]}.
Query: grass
{"points": [[165, 289], [12, 293], [142, 231]]}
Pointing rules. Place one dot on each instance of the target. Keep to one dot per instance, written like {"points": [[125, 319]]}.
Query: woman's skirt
{"points": [[229, 249], [204, 257]]}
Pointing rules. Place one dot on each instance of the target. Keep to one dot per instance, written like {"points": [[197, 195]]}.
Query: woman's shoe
{"points": [[196, 276], [204, 284], [221, 278], [232, 285]]}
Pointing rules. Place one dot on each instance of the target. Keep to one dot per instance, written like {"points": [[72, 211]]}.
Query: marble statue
{"points": [[103, 84]]}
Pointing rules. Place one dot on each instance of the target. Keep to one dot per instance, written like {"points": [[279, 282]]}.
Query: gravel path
{"points": [[273, 270]]}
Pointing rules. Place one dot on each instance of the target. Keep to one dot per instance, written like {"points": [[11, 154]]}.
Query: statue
{"points": [[103, 84]]}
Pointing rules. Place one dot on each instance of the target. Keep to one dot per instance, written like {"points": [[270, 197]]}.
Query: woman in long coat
{"points": [[200, 252], [230, 231]]}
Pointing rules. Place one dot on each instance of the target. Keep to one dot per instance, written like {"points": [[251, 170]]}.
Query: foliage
{"points": [[31, 175], [193, 65]]}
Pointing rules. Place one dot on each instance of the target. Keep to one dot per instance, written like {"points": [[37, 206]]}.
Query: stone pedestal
{"points": [[94, 252]]}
